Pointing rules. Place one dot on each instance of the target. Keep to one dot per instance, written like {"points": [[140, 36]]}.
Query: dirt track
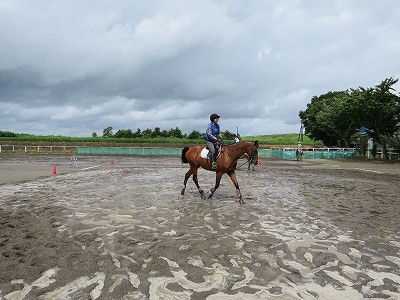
{"points": [[308, 230]]}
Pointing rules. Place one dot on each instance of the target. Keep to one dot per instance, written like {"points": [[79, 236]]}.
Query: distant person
{"points": [[213, 138], [299, 152], [235, 139]]}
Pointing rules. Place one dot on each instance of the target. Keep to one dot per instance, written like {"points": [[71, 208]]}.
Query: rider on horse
{"points": [[213, 137]]}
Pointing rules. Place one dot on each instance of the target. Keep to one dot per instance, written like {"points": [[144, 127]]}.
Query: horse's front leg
{"points": [[232, 175], [218, 177]]}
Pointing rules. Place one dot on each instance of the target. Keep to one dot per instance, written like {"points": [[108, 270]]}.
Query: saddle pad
{"points": [[204, 152]]}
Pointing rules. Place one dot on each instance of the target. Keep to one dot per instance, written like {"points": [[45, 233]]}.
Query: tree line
{"points": [[336, 118], [7, 134], [156, 133]]}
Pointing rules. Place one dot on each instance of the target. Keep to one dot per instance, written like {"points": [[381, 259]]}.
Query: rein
{"points": [[249, 158], [247, 161]]}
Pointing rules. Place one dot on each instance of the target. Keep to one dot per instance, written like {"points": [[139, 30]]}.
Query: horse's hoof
{"points": [[241, 201], [182, 192]]}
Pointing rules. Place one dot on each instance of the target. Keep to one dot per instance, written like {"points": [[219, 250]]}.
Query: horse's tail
{"points": [[184, 150]]}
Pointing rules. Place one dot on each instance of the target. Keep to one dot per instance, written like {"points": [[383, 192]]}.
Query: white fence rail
{"points": [[37, 149]]}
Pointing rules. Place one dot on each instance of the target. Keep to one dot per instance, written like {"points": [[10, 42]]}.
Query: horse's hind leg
{"points": [[187, 175], [196, 182], [192, 170], [232, 175]]}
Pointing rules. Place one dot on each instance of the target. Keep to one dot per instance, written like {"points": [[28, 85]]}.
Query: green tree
{"points": [[335, 117], [319, 117], [147, 133], [164, 133], [107, 132], [156, 132], [124, 133], [94, 134], [381, 112], [7, 134], [175, 133], [138, 133], [227, 135], [194, 135], [341, 118]]}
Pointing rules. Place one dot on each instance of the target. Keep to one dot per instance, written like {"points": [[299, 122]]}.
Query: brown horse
{"points": [[226, 163]]}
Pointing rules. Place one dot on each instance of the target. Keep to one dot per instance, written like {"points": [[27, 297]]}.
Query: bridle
{"points": [[253, 157]]}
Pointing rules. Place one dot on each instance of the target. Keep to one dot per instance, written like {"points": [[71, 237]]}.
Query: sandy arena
{"points": [[317, 229]]}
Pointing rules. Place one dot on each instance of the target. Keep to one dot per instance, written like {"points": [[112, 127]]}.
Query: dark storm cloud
{"points": [[73, 67]]}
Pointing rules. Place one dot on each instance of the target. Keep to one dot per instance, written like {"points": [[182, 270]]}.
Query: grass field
{"points": [[284, 139], [272, 140]]}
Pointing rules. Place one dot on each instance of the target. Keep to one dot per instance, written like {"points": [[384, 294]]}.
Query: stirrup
{"points": [[214, 165]]}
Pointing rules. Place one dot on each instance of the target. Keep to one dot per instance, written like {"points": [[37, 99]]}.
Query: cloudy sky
{"points": [[76, 67]]}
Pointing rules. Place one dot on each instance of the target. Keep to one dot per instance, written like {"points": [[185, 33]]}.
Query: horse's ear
{"points": [[256, 143]]}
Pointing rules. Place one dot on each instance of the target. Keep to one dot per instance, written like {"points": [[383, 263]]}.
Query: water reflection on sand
{"points": [[306, 232]]}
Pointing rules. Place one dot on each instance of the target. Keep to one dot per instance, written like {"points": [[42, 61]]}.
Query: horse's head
{"points": [[252, 152]]}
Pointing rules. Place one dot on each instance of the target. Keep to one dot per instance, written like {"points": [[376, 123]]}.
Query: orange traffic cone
{"points": [[259, 163], [111, 161], [54, 170]]}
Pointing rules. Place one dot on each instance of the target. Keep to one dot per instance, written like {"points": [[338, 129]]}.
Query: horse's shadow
{"points": [[193, 195]]}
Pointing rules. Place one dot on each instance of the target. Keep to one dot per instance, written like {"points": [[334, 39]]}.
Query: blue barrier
{"points": [[287, 153]]}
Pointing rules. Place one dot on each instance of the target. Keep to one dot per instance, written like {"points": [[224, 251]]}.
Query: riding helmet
{"points": [[214, 116]]}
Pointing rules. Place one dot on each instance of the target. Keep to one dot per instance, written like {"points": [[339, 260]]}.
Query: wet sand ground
{"points": [[309, 230]]}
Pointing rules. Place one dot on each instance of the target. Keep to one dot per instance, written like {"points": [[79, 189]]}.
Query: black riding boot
{"points": [[213, 163]]}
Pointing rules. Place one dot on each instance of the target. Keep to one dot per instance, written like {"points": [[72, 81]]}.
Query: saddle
{"points": [[205, 153]]}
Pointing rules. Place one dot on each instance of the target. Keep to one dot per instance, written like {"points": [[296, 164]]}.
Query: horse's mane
{"points": [[239, 145]]}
